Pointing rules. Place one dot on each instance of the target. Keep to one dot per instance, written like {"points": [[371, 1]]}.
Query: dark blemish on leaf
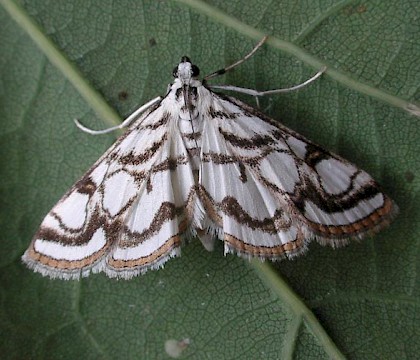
{"points": [[123, 95], [409, 176], [152, 42], [353, 9], [361, 9]]}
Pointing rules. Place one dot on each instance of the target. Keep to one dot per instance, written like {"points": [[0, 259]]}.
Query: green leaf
{"points": [[365, 296]]}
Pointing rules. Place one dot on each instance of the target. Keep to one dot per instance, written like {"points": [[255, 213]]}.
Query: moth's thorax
{"points": [[187, 106], [186, 98]]}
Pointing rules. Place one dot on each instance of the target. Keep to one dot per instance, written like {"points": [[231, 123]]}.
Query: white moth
{"points": [[198, 163]]}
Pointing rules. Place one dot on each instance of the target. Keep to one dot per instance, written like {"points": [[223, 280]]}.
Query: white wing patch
{"points": [[68, 211], [201, 164], [72, 253]]}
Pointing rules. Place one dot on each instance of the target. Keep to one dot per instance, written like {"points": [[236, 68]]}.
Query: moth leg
{"points": [[124, 124], [270, 92], [257, 101], [246, 57]]}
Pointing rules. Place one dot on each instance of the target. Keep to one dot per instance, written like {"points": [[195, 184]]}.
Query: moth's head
{"points": [[185, 70]]}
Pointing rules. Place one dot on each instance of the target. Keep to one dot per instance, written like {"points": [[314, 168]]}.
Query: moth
{"points": [[196, 163]]}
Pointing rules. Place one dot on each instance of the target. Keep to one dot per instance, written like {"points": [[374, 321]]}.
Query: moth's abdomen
{"points": [[191, 132]]}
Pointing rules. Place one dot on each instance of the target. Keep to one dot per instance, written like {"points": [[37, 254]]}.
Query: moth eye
{"points": [[195, 70], [175, 72]]}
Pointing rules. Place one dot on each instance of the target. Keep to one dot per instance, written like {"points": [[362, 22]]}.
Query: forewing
{"points": [[151, 231], [88, 225], [280, 190]]}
